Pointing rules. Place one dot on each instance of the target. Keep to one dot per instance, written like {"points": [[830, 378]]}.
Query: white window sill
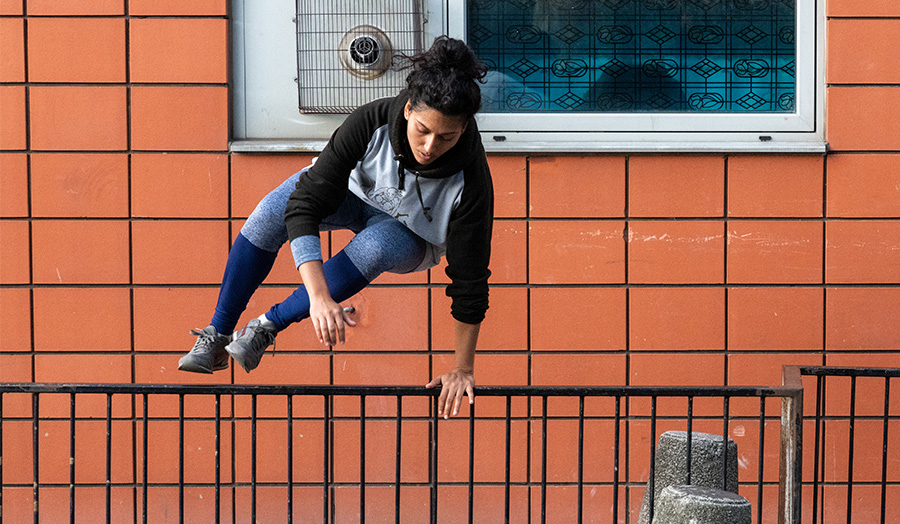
{"points": [[774, 143]]}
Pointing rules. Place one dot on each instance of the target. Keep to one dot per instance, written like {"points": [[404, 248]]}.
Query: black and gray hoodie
{"points": [[449, 202]]}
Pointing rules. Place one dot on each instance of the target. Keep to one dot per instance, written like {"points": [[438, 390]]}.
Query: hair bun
{"points": [[456, 57], [446, 78]]}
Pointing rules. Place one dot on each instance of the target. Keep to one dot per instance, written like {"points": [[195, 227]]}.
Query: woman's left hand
{"points": [[454, 385]]}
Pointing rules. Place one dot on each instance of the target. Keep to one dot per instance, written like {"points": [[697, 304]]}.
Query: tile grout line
{"points": [[130, 179], [824, 259], [725, 268], [29, 184], [130, 208], [528, 333], [626, 234]]}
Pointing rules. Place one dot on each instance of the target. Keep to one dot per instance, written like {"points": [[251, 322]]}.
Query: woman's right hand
{"points": [[329, 319], [327, 316]]}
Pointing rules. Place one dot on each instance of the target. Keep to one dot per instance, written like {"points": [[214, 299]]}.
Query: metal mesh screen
{"points": [[633, 56], [345, 50]]}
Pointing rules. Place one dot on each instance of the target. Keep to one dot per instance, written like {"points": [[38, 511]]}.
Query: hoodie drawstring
{"points": [[401, 185], [400, 172], [421, 201]]}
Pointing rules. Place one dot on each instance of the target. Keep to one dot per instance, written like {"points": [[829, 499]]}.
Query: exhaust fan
{"points": [[346, 49]]}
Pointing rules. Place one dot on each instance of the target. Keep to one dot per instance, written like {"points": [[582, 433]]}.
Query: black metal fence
{"points": [[334, 454], [855, 469]]}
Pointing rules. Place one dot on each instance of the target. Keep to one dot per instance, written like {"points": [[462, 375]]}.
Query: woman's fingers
{"points": [[454, 387], [330, 326]]}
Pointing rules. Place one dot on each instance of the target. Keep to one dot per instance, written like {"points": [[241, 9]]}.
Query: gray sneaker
{"points": [[208, 353], [250, 343]]}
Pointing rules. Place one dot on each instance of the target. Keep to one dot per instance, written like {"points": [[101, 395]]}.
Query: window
{"points": [[566, 75]]}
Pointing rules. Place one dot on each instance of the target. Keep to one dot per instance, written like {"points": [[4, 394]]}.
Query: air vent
{"points": [[346, 50]]}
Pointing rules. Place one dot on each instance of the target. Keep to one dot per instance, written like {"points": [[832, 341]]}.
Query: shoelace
{"points": [[271, 338], [205, 340]]}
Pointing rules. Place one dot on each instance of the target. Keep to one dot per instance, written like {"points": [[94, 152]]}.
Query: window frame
{"points": [[801, 131]]}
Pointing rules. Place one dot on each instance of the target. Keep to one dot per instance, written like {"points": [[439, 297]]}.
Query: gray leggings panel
{"points": [[381, 243]]}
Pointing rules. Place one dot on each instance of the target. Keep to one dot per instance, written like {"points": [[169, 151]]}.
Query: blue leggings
{"points": [[382, 244]]}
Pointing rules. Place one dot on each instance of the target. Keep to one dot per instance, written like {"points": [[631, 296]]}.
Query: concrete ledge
{"points": [[670, 465], [701, 505]]}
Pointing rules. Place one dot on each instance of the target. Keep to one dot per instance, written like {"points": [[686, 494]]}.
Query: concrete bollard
{"points": [[706, 465], [700, 505]]}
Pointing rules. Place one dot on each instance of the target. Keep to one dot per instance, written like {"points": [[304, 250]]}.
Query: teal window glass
{"points": [[596, 56]]}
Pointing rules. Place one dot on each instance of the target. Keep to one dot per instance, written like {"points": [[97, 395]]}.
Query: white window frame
{"points": [[266, 118]]}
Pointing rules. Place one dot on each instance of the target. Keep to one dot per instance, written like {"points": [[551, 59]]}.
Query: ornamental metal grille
{"points": [[346, 51], [636, 55]]}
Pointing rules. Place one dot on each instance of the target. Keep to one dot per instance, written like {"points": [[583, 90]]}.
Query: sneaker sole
{"points": [[239, 359], [193, 367]]}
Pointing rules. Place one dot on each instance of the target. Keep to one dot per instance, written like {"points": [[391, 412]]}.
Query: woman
{"points": [[409, 176]]}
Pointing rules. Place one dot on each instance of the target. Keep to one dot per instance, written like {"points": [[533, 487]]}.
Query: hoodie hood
{"points": [[466, 150]]}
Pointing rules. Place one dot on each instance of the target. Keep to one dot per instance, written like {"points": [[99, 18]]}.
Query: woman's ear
{"points": [[406, 109]]}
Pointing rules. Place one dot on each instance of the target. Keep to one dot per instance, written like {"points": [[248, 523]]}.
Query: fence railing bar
{"points": [[580, 459], [508, 460], [544, 460], [134, 459], [218, 460], [1, 457], [233, 427], [837, 371], [433, 473], [253, 464], [390, 484], [327, 452], [616, 451], [884, 456], [887, 403], [426, 418], [181, 458], [362, 459], [144, 453], [109, 458], [690, 437], [761, 454], [850, 451], [651, 480], [290, 459], [397, 463], [35, 417], [411, 391], [471, 501], [71, 458], [820, 402], [725, 424]]}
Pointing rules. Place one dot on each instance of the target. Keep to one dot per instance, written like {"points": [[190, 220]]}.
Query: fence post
{"points": [[790, 468]]}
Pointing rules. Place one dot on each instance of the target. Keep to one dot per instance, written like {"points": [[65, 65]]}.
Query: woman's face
{"points": [[431, 133]]}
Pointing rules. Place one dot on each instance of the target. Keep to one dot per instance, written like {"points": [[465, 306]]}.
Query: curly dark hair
{"points": [[445, 78]]}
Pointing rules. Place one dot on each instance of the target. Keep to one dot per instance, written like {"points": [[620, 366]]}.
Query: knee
{"points": [[372, 253], [385, 247], [265, 228]]}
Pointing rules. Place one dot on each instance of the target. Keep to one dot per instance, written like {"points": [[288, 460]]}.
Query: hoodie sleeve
{"points": [[469, 244], [320, 192]]}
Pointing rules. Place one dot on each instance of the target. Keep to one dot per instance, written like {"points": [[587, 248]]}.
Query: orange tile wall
{"points": [[119, 199]]}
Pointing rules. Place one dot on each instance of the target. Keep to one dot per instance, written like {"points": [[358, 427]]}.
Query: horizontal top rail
{"points": [[349, 390], [849, 371]]}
